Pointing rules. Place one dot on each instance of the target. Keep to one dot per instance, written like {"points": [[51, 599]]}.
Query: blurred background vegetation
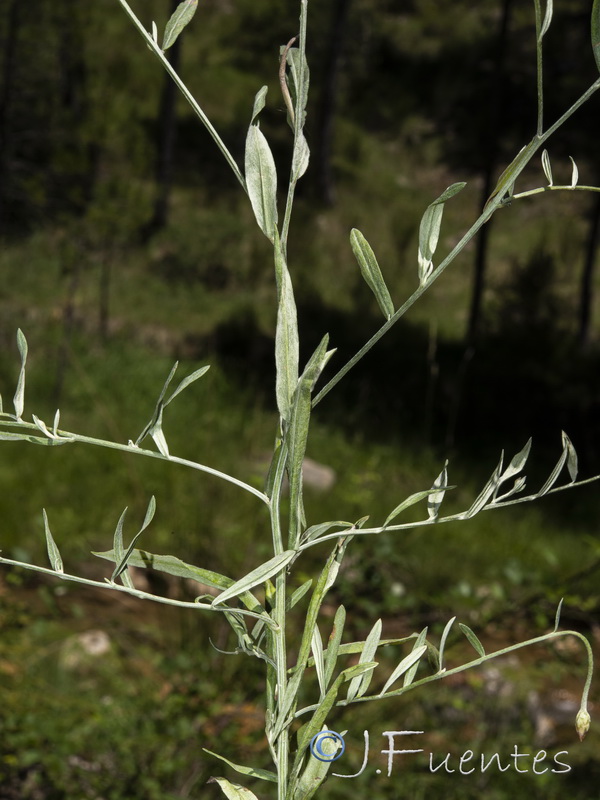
{"points": [[126, 244]]}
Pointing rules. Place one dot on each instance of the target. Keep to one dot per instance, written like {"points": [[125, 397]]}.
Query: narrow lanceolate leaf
{"points": [[53, 552], [179, 19], [119, 551], [487, 493], [410, 501], [316, 770], [568, 453], [322, 528], [186, 382], [297, 436], [574, 174], [286, 336], [317, 649], [557, 617], [233, 791], [473, 640], [157, 414], [371, 272], [429, 231], [411, 659], [253, 772], [259, 102], [359, 685], [596, 32], [299, 81], [175, 566], [19, 398], [547, 168], [298, 594], [572, 464], [445, 633], [261, 180], [333, 646], [259, 575], [436, 497], [547, 21], [122, 566], [301, 157], [410, 674]]}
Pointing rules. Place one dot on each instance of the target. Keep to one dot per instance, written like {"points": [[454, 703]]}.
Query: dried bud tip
{"points": [[582, 723]]}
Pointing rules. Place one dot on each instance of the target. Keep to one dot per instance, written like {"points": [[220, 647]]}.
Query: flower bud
{"points": [[582, 723]]}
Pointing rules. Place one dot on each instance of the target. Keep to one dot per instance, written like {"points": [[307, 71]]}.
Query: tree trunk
{"points": [[165, 141], [491, 138], [6, 93], [325, 114], [586, 291]]}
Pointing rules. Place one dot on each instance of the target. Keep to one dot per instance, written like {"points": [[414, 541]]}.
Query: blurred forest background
{"points": [[126, 243]]}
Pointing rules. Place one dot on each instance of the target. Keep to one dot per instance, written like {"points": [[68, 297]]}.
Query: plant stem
{"points": [[539, 67], [554, 188]]}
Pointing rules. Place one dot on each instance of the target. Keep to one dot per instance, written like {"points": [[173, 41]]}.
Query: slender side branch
{"points": [[476, 663], [131, 448], [186, 93], [63, 576], [495, 201]]}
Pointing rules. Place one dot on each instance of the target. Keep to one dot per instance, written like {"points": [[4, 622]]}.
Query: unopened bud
{"points": [[582, 723]]}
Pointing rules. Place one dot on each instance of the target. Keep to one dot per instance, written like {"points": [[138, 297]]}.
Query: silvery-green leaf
{"points": [[559, 465], [179, 19], [186, 382], [317, 649], [42, 426], [299, 75], [410, 501], [371, 271], [409, 675], [259, 575], [298, 594], [436, 497], [359, 685], [261, 180], [158, 408], [154, 32], [19, 398], [547, 168], [233, 791], [333, 645], [56, 422], [122, 566], [445, 633], [119, 550], [572, 464], [253, 772], [301, 157], [411, 659], [175, 566], [286, 336], [315, 771], [297, 436], [518, 486], [517, 463], [557, 617], [487, 492], [473, 640], [323, 527], [574, 174], [429, 231], [259, 102], [546, 22], [53, 551], [595, 27], [156, 432]]}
